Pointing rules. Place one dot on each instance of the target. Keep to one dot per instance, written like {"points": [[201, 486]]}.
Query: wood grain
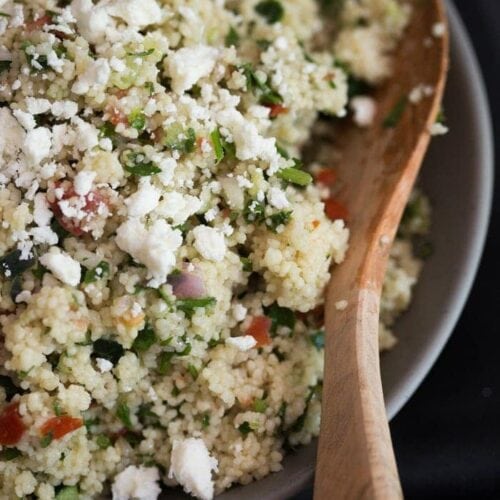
{"points": [[378, 168]]}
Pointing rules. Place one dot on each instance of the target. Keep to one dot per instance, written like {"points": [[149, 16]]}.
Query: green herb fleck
{"points": [[5, 66], [123, 413], [46, 440], [57, 409], [396, 113], [4, 14], [280, 316], [68, 493], [278, 219], [260, 406], [103, 441], [232, 38], [99, 272], [271, 10], [180, 140], [144, 340], [165, 362], [295, 176], [188, 306], [217, 144], [246, 264], [9, 454], [205, 420], [137, 119], [137, 164], [108, 349], [245, 428], [145, 53], [266, 94], [150, 86], [193, 371], [254, 212]]}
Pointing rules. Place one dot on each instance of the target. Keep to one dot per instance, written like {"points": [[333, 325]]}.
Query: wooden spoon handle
{"points": [[359, 447]]}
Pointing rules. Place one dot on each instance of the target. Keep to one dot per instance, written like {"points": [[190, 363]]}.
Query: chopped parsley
{"points": [[278, 219], [271, 10], [137, 164], [144, 53], [264, 92], [181, 140], [137, 120], [394, 116], [11, 264], [246, 264], [193, 371], [254, 212], [259, 406], [103, 441], [232, 38], [295, 176], [188, 306], [245, 428], [280, 316], [108, 349], [99, 272], [5, 66], [205, 420], [144, 340], [46, 440], [123, 413], [9, 454], [165, 362]]}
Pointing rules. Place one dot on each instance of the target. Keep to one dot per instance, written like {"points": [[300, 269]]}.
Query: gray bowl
{"points": [[458, 177]]}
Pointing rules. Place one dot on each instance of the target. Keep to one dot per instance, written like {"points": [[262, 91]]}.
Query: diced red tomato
{"points": [[335, 210], [326, 176], [276, 110], [60, 426], [259, 329], [11, 425], [74, 225], [38, 23]]}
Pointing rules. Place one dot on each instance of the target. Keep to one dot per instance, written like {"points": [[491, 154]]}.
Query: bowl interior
{"points": [[457, 176]]}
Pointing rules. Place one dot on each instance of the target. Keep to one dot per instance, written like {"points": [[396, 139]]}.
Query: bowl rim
{"points": [[485, 160]]}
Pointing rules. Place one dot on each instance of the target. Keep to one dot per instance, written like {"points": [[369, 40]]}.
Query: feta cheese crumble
{"points": [[62, 266], [243, 344], [191, 466], [137, 483], [210, 243]]}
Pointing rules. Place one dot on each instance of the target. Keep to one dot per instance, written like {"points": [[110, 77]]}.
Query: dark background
{"points": [[447, 437]]}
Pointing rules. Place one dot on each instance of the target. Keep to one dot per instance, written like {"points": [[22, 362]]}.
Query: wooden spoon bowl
{"points": [[378, 168]]}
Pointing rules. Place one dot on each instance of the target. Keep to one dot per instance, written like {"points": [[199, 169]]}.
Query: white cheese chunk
{"points": [[209, 243], [41, 212], [37, 144], [93, 21], [364, 109], [178, 207], [62, 266], [239, 312], [96, 74], [37, 106], [136, 13], [277, 198], [27, 120], [137, 483], [83, 181], [155, 246], [191, 465], [144, 200], [243, 344], [104, 365], [64, 109], [189, 64], [11, 134]]}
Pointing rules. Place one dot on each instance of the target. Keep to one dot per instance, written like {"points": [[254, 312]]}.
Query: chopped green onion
{"points": [[193, 371], [396, 113], [271, 10], [145, 53], [144, 340], [295, 176], [46, 440], [217, 144], [5, 66]]}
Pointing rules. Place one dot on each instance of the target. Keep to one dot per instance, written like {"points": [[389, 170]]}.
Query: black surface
{"points": [[447, 437]]}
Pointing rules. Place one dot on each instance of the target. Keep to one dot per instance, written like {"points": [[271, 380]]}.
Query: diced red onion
{"points": [[187, 285]]}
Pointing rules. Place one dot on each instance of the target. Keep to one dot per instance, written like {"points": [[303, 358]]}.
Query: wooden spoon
{"points": [[378, 168]]}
